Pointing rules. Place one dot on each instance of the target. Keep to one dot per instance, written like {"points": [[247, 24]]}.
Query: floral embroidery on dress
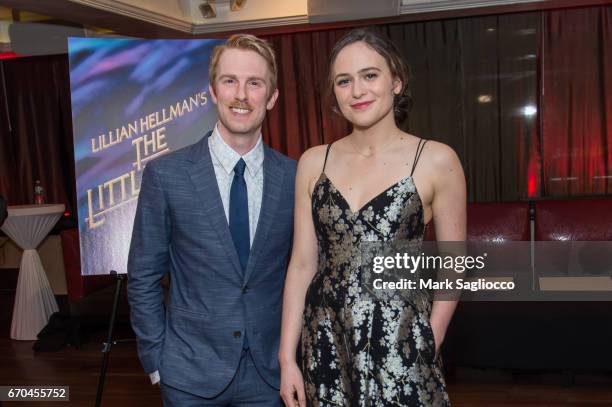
{"points": [[357, 351]]}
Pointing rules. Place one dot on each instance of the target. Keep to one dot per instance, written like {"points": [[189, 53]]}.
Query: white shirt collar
{"points": [[228, 157]]}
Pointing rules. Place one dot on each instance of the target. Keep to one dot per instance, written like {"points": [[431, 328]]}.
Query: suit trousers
{"points": [[247, 388]]}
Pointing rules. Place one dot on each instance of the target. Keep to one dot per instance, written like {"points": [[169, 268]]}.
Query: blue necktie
{"points": [[239, 214]]}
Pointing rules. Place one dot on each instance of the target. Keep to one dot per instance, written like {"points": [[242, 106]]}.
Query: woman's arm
{"points": [[449, 214], [302, 268]]}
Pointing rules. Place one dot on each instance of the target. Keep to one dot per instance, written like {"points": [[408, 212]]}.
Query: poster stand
{"points": [[108, 344]]}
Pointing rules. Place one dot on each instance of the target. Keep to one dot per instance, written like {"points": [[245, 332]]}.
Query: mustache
{"points": [[240, 105]]}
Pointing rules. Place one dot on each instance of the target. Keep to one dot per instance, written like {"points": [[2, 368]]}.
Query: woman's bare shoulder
{"points": [[439, 156], [312, 159]]}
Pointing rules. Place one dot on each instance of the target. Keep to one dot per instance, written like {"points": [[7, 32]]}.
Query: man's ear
{"points": [[272, 99], [211, 90]]}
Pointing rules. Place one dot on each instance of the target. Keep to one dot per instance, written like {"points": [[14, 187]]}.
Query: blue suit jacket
{"points": [[196, 340]]}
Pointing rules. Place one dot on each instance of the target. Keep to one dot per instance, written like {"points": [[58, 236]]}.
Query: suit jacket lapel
{"points": [[204, 181], [273, 181]]}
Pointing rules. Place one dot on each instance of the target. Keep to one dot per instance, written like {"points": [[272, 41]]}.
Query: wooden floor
{"points": [[127, 385]]}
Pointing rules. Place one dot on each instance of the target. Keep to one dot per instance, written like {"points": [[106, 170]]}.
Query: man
{"points": [[217, 216]]}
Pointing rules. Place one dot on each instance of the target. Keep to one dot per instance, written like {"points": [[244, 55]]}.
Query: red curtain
{"points": [[302, 117], [471, 79], [36, 130], [577, 101], [562, 148]]}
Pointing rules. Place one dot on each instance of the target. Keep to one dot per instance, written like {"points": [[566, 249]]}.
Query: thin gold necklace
{"points": [[380, 150]]}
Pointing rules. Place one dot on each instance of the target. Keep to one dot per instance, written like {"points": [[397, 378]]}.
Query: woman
{"points": [[376, 184]]}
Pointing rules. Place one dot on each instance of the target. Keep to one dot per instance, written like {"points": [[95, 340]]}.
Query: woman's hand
{"points": [[292, 385]]}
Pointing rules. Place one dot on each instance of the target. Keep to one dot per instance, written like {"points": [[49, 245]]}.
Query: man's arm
{"points": [[147, 263]]}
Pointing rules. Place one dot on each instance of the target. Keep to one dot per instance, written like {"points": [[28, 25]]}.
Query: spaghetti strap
{"points": [[326, 154], [419, 150]]}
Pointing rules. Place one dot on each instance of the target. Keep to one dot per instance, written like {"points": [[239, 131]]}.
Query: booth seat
{"points": [[580, 220], [507, 221], [540, 335], [503, 335], [79, 286]]}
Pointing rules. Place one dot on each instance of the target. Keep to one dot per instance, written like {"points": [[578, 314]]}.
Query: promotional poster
{"points": [[132, 101]]}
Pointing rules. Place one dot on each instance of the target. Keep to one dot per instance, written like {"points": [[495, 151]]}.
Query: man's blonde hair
{"points": [[245, 42]]}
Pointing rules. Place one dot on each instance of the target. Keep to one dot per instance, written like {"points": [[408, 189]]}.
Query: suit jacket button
{"points": [[237, 334], [245, 290]]}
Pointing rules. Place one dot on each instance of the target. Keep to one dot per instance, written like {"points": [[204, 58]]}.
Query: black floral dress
{"points": [[356, 350]]}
